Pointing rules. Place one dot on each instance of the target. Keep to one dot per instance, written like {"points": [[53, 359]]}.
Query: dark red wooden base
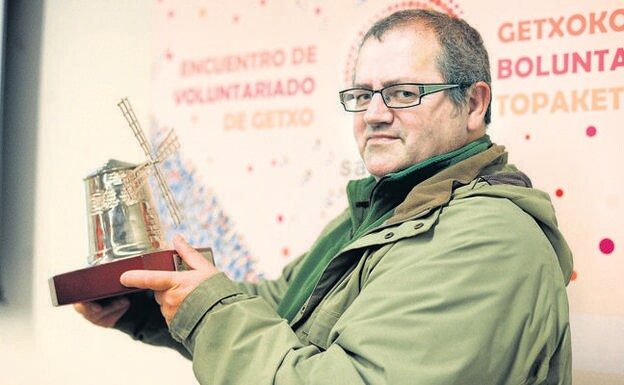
{"points": [[102, 281]]}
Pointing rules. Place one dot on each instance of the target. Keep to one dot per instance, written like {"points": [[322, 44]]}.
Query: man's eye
{"points": [[364, 97], [404, 94]]}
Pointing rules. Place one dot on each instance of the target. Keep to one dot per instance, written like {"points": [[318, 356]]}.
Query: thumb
{"points": [[193, 258]]}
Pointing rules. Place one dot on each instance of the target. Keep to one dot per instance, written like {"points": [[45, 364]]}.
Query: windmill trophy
{"points": [[123, 225]]}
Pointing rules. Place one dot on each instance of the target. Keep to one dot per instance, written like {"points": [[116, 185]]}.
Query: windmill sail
{"points": [[151, 166]]}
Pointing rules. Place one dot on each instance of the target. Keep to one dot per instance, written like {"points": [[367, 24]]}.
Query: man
{"points": [[447, 268]]}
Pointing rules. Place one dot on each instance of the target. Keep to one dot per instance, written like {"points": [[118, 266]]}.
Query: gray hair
{"points": [[463, 58]]}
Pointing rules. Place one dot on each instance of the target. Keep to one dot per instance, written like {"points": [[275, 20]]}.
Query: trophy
{"points": [[122, 220], [124, 229]]}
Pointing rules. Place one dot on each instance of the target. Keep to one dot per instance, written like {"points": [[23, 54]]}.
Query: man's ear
{"points": [[479, 95]]}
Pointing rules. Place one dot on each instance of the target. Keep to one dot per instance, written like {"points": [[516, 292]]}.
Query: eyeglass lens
{"points": [[394, 96]]}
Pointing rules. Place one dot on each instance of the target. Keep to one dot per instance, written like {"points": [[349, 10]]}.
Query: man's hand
{"points": [[172, 287], [103, 315]]}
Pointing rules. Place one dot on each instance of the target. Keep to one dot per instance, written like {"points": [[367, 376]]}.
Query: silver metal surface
{"points": [[120, 224]]}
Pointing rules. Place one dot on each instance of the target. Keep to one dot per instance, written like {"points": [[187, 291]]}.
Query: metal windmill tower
{"points": [[137, 177]]}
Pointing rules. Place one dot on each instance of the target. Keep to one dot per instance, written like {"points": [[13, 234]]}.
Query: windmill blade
{"points": [[172, 205], [134, 180], [132, 120], [138, 177], [167, 147]]}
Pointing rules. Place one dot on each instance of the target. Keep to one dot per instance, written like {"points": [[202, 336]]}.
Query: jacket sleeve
{"points": [[272, 291], [471, 302], [144, 322]]}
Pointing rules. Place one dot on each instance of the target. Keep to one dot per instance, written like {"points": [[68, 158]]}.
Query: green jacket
{"points": [[464, 284]]}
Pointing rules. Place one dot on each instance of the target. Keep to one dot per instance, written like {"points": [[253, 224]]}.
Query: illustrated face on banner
{"points": [[391, 140]]}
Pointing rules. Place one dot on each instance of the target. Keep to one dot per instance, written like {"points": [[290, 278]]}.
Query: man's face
{"points": [[391, 140]]}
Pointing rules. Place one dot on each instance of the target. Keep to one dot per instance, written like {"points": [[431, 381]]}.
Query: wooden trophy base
{"points": [[102, 281]]}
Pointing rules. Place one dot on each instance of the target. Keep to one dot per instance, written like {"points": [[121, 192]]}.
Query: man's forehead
{"points": [[405, 38], [417, 28], [405, 55]]}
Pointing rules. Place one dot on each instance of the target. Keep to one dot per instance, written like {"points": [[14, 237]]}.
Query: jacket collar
{"points": [[373, 202], [437, 190]]}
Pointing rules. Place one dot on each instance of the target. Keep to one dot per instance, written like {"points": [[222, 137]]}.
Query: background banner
{"points": [[266, 148]]}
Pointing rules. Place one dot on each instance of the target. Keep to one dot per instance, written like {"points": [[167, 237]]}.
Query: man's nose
{"points": [[377, 111]]}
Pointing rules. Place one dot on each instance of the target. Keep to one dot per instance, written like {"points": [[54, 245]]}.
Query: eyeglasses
{"points": [[402, 95]]}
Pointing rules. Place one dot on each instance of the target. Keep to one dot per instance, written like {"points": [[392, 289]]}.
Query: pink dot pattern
{"points": [[607, 246]]}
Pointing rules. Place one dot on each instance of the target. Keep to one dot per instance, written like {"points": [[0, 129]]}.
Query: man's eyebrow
{"points": [[384, 84]]}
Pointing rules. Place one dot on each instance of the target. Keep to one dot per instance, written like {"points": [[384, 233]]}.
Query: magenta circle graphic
{"points": [[591, 131], [607, 246]]}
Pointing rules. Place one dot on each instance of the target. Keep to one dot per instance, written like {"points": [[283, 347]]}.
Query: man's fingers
{"points": [[148, 279], [108, 315], [81, 308], [192, 257], [105, 316]]}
